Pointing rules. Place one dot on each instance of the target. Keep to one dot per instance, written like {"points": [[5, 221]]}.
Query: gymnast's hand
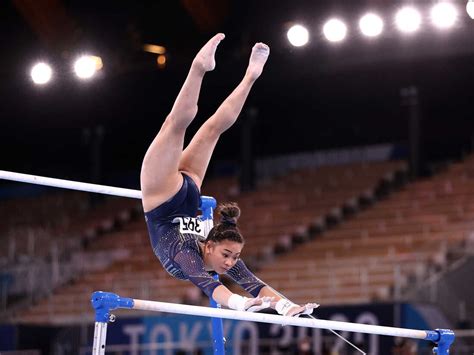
{"points": [[301, 310], [240, 303], [258, 303], [288, 308]]}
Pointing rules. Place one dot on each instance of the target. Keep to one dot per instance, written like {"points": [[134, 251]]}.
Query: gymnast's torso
{"points": [[180, 253]]}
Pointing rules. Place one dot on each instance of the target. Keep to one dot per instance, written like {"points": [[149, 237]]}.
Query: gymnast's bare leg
{"points": [[196, 156], [160, 178], [164, 160]]}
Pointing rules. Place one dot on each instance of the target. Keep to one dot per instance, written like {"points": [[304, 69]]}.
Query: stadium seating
{"points": [[277, 218]]}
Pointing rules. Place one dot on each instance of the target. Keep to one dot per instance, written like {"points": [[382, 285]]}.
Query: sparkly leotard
{"points": [[179, 253]]}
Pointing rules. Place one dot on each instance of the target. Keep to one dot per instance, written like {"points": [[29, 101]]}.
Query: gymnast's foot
{"points": [[204, 60], [258, 58]]}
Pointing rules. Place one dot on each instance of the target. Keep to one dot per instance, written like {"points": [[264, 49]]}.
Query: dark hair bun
{"points": [[229, 212]]}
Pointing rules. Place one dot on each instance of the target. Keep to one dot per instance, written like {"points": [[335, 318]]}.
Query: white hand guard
{"points": [[237, 302], [240, 303], [284, 306], [266, 303], [308, 309]]}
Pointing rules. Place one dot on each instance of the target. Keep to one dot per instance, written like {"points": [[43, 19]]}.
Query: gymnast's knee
{"points": [[181, 119]]}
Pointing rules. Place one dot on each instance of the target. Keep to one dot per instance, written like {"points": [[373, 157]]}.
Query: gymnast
{"points": [[170, 182]]}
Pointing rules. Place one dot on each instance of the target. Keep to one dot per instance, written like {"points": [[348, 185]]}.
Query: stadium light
{"points": [[298, 35], [154, 48], [470, 8], [161, 61], [86, 66], [408, 19], [335, 30], [371, 25], [41, 73], [444, 15]]}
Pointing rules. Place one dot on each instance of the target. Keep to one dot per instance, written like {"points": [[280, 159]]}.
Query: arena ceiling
{"points": [[319, 97]]}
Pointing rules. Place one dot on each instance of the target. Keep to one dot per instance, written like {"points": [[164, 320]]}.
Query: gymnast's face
{"points": [[221, 256]]}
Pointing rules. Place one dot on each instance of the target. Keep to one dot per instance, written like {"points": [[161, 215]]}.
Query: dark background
{"points": [[317, 97]]}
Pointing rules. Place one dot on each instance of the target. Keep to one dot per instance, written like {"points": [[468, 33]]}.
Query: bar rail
{"points": [[103, 302]]}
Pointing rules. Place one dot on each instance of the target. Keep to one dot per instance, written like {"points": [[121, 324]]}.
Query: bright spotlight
{"points": [[335, 30], [86, 66], [444, 15], [408, 19], [153, 48], [161, 61], [41, 73], [470, 8], [298, 35], [371, 25]]}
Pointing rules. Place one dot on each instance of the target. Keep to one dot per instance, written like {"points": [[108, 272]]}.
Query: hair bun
{"points": [[230, 213]]}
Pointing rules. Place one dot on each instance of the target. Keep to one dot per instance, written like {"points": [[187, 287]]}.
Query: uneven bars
{"points": [[103, 302], [444, 337], [71, 185]]}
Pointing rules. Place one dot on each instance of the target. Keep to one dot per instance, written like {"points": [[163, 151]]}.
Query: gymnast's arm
{"points": [[257, 288], [192, 266]]}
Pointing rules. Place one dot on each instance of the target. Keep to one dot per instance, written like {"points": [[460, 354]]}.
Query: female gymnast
{"points": [[170, 182]]}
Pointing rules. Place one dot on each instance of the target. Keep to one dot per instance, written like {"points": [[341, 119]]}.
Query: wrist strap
{"points": [[237, 302], [283, 306]]}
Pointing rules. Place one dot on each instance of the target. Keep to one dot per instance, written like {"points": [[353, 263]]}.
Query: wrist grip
{"points": [[283, 306], [237, 302]]}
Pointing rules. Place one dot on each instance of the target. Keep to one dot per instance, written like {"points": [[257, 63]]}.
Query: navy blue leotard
{"points": [[179, 253]]}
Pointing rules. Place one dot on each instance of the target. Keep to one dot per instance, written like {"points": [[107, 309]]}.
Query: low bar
{"points": [[443, 337]]}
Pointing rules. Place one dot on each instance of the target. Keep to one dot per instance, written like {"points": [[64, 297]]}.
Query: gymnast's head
{"points": [[224, 242]]}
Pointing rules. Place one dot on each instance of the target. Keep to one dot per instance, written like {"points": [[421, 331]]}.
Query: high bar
{"points": [[71, 185]]}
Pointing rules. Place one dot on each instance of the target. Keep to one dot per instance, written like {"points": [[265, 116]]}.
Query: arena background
{"points": [[319, 98]]}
